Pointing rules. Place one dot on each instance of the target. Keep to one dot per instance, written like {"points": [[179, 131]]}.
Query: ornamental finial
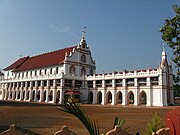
{"points": [[83, 32]]}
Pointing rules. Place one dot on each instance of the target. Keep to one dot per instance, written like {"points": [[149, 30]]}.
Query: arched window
{"points": [[72, 70], [30, 73], [57, 70], [39, 72], [83, 71], [35, 73], [45, 70], [83, 58], [50, 70]]}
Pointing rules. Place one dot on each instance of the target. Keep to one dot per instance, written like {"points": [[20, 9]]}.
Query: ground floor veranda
{"points": [[113, 97]]}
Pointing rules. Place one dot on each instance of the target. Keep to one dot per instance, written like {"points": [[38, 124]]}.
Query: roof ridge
{"points": [[52, 51]]}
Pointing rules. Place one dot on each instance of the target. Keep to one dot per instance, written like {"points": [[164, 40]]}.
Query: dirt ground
{"points": [[46, 119]]}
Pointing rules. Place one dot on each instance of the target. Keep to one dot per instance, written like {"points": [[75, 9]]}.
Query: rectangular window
{"points": [[141, 81], [130, 82], [39, 83], [118, 82], [45, 82], [58, 82], [90, 84], [108, 83], [68, 83], [99, 83], [78, 84], [51, 82], [154, 80]]}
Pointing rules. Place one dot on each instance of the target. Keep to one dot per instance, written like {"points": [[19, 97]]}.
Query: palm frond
{"points": [[118, 122], [79, 112]]}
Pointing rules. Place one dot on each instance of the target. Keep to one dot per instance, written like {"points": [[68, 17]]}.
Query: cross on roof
{"points": [[83, 32]]}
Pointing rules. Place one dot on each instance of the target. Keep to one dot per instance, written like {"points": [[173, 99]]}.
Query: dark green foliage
{"points": [[177, 90], [171, 35], [81, 114], [153, 125], [118, 122]]}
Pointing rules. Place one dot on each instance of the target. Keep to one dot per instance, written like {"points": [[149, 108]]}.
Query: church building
{"points": [[56, 76]]}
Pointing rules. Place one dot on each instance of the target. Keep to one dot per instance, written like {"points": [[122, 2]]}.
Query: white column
{"points": [[94, 84], [54, 96], [62, 82], [47, 96], [21, 94], [124, 97], [113, 83], [94, 97], [149, 92], [30, 94], [136, 97], [73, 83], [13, 94], [41, 95], [26, 91], [124, 82], [3, 92], [103, 97], [113, 97], [42, 91], [61, 96]]}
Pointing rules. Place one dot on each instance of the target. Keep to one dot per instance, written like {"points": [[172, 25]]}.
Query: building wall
{"points": [[150, 87]]}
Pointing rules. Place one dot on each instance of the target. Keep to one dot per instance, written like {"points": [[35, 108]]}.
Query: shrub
{"points": [[154, 124]]}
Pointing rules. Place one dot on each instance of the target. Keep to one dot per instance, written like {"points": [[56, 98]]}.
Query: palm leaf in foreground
{"points": [[81, 114]]}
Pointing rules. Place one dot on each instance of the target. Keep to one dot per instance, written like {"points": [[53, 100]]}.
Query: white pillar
{"points": [[124, 97], [149, 92], [94, 84], [62, 82], [136, 97], [13, 94], [21, 94], [113, 97], [94, 97], [47, 96], [103, 97], [61, 96], [30, 94], [54, 96]]}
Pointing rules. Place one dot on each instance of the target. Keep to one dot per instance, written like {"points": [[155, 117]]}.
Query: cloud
{"points": [[64, 29]]}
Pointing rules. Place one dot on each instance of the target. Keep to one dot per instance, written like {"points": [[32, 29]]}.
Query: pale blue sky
{"points": [[122, 34]]}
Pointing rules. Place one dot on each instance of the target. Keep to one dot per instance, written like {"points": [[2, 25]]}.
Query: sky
{"points": [[121, 34]]}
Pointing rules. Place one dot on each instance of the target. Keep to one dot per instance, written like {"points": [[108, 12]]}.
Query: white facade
{"points": [[50, 84]]}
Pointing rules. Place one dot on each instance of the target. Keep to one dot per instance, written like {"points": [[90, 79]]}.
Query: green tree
{"points": [[171, 35]]}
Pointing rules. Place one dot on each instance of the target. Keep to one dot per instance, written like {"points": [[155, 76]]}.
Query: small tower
{"points": [[164, 56], [83, 43]]}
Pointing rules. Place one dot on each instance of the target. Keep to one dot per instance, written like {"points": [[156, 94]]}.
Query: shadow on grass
{"points": [[24, 104]]}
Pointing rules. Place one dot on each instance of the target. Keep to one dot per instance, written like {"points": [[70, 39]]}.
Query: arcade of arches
{"points": [[48, 96], [94, 97], [102, 97]]}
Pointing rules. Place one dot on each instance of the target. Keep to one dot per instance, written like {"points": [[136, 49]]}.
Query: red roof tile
{"points": [[17, 63], [45, 60]]}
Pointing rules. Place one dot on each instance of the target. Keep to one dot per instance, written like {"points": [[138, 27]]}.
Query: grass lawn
{"points": [[46, 119]]}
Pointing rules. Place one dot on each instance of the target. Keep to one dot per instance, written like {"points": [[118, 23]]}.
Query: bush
{"points": [[153, 125]]}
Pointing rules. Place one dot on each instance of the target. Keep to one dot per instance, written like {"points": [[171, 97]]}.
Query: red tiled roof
{"points": [[45, 60], [17, 63]]}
